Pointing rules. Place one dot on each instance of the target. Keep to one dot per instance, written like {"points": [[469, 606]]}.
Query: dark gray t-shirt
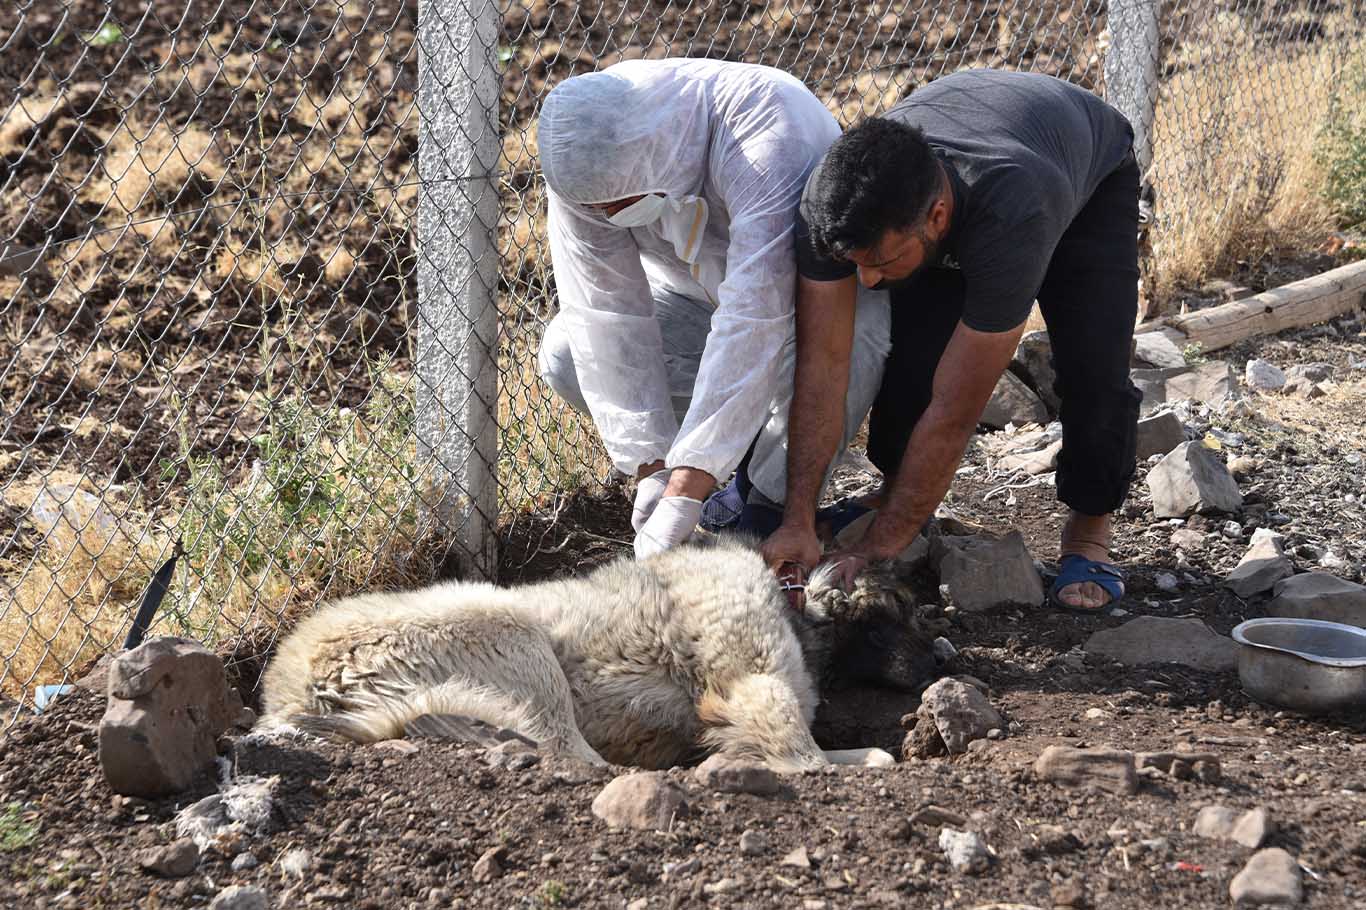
{"points": [[1024, 153]]}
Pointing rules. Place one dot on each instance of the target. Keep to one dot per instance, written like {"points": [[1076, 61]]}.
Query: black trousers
{"points": [[1089, 301]]}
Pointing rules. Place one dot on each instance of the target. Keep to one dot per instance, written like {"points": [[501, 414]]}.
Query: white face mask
{"points": [[645, 210]]}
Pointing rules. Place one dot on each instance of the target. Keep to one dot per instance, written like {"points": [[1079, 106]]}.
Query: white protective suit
{"points": [[740, 137]]}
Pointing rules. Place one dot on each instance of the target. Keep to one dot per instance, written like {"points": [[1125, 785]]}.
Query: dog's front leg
{"points": [[871, 758]]}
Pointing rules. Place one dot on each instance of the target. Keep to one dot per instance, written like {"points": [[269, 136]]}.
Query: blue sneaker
{"points": [[722, 509]]}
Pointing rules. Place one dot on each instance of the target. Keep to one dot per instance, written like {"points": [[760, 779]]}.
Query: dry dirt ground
{"points": [[388, 827]]}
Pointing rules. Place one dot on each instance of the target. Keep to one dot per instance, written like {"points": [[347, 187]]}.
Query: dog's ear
{"points": [[878, 591]]}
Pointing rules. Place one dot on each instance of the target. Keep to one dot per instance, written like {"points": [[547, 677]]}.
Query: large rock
{"points": [[1192, 479], [983, 572], [1271, 876], [1013, 402], [1108, 770], [1156, 349], [239, 897], [729, 775], [961, 713], [964, 850], [1153, 385], [1309, 372], [647, 800], [1318, 595], [1159, 434], [1264, 564], [168, 702], [1157, 640], [1250, 828], [1034, 358], [1209, 383], [1263, 376]]}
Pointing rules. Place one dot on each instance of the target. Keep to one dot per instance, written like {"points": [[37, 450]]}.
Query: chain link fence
{"points": [[222, 340]]}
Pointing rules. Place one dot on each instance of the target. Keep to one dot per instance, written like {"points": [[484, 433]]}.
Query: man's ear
{"points": [[938, 218]]}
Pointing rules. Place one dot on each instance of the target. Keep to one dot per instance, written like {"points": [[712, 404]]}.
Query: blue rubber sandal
{"points": [[1075, 569]]}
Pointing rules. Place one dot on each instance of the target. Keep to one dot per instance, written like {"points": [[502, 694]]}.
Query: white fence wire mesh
{"points": [[229, 327]]}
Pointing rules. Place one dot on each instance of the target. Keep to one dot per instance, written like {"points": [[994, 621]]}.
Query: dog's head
{"points": [[866, 635]]}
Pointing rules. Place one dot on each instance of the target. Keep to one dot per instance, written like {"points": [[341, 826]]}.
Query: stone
{"points": [[1192, 479], [964, 850], [1069, 893], [1214, 822], [1310, 372], [944, 650], [168, 702], [1034, 463], [1319, 595], [937, 817], [174, 860], [1159, 640], [961, 713], [1013, 402], [489, 866], [1242, 466], [1057, 840], [753, 843], [1264, 564], [1159, 434], [1186, 539], [297, 863], [1108, 770], [1203, 766], [239, 897], [798, 859], [1271, 876], [923, 740], [1034, 358], [244, 862], [1253, 827], [730, 775], [646, 800], [1157, 350], [1168, 582], [983, 572], [1208, 383], [1263, 376], [1303, 388]]}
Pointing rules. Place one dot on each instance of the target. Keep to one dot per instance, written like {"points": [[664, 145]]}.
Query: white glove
{"points": [[673, 521], [648, 492]]}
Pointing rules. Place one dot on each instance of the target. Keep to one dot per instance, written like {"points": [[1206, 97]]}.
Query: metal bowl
{"points": [[1307, 665]]}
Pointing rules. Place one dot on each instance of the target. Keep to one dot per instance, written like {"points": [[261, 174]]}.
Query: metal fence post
{"points": [[1131, 69], [457, 274]]}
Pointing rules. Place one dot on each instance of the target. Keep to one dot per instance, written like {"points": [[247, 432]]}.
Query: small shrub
{"points": [[552, 893], [1342, 148], [15, 832]]}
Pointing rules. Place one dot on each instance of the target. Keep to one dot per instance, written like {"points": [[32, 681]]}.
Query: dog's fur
{"points": [[648, 663]]}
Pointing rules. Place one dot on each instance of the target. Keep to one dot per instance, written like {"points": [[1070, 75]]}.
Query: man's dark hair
{"points": [[881, 175]]}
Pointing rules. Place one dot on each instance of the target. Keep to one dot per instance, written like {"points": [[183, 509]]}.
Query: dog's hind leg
{"points": [[871, 757], [760, 717]]}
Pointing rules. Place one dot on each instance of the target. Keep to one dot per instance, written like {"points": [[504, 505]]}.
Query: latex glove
{"points": [[671, 523], [648, 492]]}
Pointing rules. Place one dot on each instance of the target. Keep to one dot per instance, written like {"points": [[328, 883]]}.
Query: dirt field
{"points": [[390, 828]]}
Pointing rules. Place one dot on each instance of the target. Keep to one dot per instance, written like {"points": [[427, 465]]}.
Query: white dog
{"points": [[648, 663]]}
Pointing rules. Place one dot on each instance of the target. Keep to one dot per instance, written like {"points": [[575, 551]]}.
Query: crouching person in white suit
{"points": [[673, 190]]}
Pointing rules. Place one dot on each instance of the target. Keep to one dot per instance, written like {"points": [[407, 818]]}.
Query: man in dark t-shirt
{"points": [[972, 198]]}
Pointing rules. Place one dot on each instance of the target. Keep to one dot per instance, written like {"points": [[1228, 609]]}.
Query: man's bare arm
{"points": [[825, 338], [968, 371]]}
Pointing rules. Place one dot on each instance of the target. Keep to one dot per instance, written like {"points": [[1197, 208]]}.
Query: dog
{"points": [[652, 663]]}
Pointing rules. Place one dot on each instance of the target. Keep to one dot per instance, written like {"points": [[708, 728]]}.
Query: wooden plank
{"points": [[1291, 306]]}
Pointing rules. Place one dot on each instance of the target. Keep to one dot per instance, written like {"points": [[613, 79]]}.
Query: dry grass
{"points": [[1234, 153]]}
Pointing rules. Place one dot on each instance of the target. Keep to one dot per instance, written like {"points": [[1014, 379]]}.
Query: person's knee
{"points": [[555, 363]]}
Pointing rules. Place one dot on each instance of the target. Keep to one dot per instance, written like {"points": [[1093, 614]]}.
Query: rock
{"points": [[1013, 402], [174, 860], [1242, 466], [1208, 383], [1156, 349], [1204, 766], [1057, 840], [1250, 828], [1153, 386], [730, 775], [960, 713], [1168, 582], [943, 649], [1069, 893], [1303, 388], [753, 843], [1263, 376], [244, 862], [1264, 564], [1253, 827], [646, 799], [168, 702], [1033, 463], [1157, 640], [489, 866], [297, 863], [1186, 539], [1192, 479], [964, 851], [1159, 434], [937, 817], [1310, 372], [798, 858], [514, 755], [1034, 358], [1271, 876], [983, 572], [1215, 822], [1318, 595], [923, 740], [239, 897], [1109, 770], [720, 886]]}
